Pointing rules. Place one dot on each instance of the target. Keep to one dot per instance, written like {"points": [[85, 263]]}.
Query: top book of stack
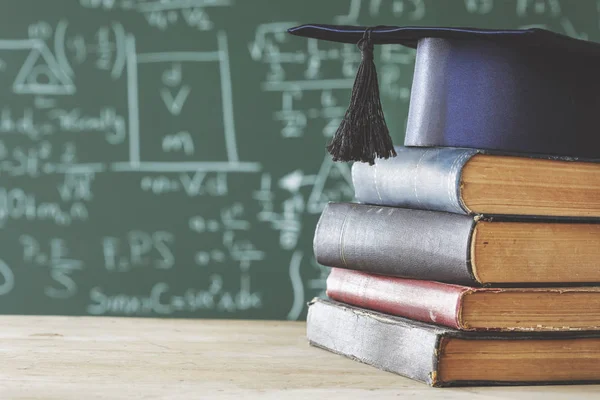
{"points": [[469, 181]]}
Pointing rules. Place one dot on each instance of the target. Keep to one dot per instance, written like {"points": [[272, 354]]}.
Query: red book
{"points": [[469, 308]]}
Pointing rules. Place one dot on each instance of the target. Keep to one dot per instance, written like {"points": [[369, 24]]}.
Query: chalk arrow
{"points": [[174, 105], [294, 180]]}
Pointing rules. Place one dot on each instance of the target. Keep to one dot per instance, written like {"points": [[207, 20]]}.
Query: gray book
{"points": [[445, 357], [471, 181], [454, 248]]}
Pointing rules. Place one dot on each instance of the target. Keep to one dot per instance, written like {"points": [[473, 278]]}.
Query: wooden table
{"points": [[122, 358]]}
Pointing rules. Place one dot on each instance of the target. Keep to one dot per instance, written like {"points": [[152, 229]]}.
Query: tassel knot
{"points": [[366, 49], [363, 134]]}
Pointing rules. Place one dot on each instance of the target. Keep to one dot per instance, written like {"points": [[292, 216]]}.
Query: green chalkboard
{"points": [[167, 158]]}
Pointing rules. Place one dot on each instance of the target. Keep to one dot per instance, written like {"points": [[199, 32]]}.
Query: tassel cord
{"points": [[363, 133]]}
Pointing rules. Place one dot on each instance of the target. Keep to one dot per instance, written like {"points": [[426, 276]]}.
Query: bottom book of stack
{"points": [[442, 356]]}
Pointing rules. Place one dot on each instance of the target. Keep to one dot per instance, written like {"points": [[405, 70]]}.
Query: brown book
{"points": [[441, 356]]}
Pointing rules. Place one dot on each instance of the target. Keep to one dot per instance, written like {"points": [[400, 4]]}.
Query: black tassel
{"points": [[363, 134]]}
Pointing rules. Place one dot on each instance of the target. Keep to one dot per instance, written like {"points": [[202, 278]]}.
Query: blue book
{"points": [[472, 181]]}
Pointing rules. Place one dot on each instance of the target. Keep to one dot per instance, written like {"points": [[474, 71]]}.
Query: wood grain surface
{"points": [[126, 358]]}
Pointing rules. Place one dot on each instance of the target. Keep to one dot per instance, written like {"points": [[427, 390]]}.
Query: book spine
{"points": [[420, 178], [398, 348], [426, 301], [392, 241]]}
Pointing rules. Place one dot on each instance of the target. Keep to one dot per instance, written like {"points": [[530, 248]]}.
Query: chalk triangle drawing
{"points": [[42, 75], [333, 183]]}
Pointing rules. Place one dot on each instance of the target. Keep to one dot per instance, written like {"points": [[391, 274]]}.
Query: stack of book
{"points": [[480, 299], [465, 260]]}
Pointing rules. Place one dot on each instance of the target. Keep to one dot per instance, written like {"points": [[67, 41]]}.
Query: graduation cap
{"points": [[518, 91]]}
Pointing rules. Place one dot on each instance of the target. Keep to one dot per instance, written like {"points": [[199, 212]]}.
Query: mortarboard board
{"points": [[518, 91]]}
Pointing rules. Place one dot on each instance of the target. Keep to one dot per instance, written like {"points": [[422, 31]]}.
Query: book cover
{"points": [[470, 181], [455, 248], [470, 308], [440, 356]]}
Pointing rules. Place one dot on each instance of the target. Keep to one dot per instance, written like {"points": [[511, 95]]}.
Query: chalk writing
{"points": [[167, 157]]}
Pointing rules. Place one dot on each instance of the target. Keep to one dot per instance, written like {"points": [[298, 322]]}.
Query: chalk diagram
{"points": [[174, 95], [45, 74], [40, 73]]}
